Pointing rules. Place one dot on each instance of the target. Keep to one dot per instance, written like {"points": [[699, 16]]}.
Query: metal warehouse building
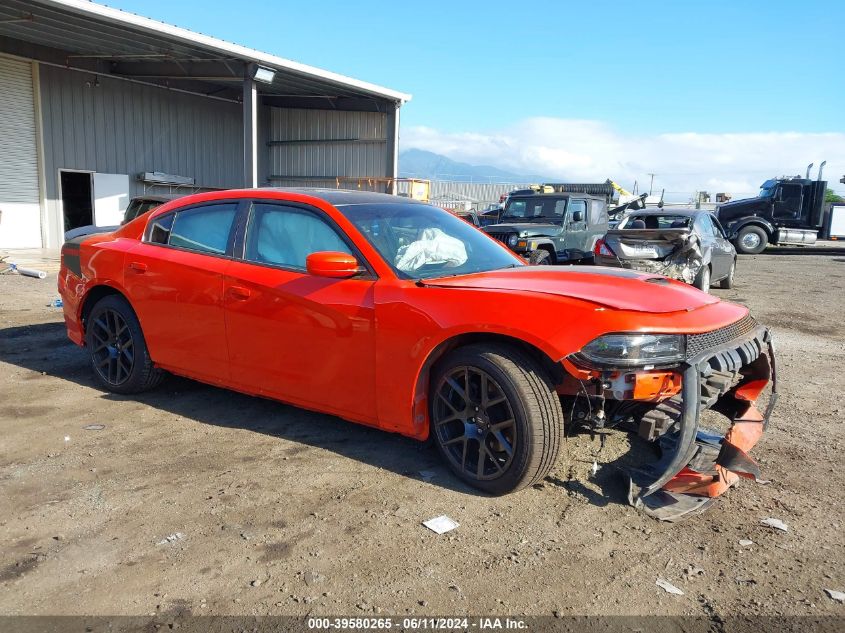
{"points": [[98, 105]]}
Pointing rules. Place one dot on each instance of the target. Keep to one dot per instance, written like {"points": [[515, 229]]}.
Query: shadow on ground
{"points": [[46, 348]]}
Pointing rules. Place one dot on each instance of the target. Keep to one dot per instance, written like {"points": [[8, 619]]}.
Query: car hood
{"points": [[739, 208], [528, 228], [616, 288]]}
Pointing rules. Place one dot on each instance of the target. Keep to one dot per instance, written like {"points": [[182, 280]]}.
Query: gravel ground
{"points": [[196, 499]]}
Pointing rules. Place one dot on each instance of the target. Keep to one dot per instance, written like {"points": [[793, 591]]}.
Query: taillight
{"points": [[603, 249]]}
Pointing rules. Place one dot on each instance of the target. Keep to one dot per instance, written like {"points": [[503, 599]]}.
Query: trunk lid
{"points": [[657, 244]]}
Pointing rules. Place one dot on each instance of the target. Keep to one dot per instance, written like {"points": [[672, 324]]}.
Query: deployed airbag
{"points": [[433, 247]]}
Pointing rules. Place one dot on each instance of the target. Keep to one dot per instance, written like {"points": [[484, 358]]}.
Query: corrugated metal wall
{"points": [[480, 194], [311, 147], [19, 194], [112, 126]]}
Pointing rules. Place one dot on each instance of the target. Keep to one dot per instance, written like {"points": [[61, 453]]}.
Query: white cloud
{"points": [[590, 151]]}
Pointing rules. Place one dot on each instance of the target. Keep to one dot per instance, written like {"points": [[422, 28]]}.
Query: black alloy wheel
{"points": [[117, 347], [495, 416], [474, 422], [113, 352]]}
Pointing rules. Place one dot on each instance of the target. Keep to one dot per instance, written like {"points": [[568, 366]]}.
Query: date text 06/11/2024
{"points": [[430, 623]]}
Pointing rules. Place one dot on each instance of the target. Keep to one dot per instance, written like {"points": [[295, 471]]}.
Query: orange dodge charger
{"points": [[399, 315]]}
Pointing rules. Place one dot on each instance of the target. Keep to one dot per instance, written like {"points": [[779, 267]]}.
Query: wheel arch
{"points": [[549, 248], [92, 296], [421, 385], [764, 224]]}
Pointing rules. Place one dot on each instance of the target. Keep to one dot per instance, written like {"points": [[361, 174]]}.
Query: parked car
{"points": [[685, 244], [551, 228], [399, 315], [138, 205], [470, 217], [490, 215]]}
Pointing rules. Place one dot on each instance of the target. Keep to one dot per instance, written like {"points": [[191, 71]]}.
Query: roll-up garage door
{"points": [[20, 214]]}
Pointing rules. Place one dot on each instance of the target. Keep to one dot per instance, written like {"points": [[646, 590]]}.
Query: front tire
{"points": [[751, 240], [495, 417], [540, 257], [119, 354]]}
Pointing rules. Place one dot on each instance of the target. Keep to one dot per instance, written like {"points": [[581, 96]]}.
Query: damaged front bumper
{"points": [[697, 464]]}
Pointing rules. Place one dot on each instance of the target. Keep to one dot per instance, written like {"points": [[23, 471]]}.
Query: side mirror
{"points": [[577, 216], [332, 264]]}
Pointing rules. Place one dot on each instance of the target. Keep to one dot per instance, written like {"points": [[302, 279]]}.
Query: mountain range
{"points": [[418, 163]]}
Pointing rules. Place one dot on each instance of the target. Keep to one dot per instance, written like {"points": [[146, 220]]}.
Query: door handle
{"points": [[239, 292], [138, 267]]}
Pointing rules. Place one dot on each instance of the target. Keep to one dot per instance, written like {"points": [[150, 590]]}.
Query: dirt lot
{"points": [[282, 511]]}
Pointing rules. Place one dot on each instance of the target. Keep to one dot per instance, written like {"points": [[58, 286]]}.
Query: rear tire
{"points": [[119, 354], [702, 279], [495, 417], [751, 240], [728, 282]]}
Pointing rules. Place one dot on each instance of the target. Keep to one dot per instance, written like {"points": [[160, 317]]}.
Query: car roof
{"points": [[342, 197], [159, 197], [683, 211]]}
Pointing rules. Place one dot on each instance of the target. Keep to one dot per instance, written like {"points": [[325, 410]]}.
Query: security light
{"points": [[264, 75]]}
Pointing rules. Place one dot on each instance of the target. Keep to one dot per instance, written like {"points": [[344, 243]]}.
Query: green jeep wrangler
{"points": [[551, 228]]}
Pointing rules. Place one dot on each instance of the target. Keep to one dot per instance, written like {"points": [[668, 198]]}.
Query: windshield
{"points": [[530, 208], [139, 207], [768, 189], [421, 242]]}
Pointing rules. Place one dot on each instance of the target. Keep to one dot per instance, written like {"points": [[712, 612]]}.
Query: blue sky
{"points": [[639, 69]]}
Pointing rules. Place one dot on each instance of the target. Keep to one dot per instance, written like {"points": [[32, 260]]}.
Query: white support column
{"points": [[250, 121], [392, 147]]}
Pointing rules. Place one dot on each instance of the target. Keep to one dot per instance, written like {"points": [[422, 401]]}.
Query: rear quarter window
{"points": [[204, 229]]}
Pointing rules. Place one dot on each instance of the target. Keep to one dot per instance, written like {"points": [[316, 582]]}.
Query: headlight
{"points": [[512, 240], [635, 350]]}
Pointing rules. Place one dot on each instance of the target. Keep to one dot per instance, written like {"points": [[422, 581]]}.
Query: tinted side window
{"points": [[578, 205], [160, 229], [598, 212], [204, 229], [285, 236], [139, 207], [705, 226]]}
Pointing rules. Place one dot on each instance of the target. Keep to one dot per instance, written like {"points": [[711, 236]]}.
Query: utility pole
{"points": [[651, 184]]}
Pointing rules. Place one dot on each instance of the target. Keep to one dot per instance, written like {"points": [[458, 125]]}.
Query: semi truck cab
{"points": [[786, 211]]}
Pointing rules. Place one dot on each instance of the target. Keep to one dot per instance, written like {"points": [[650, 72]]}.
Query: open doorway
{"points": [[77, 198]]}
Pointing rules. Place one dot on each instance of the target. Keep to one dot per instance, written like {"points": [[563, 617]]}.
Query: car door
{"points": [[788, 202], [726, 250], [707, 233], [300, 338], [575, 228], [174, 281]]}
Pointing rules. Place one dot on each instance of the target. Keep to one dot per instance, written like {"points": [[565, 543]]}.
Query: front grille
{"points": [[697, 343], [502, 237]]}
